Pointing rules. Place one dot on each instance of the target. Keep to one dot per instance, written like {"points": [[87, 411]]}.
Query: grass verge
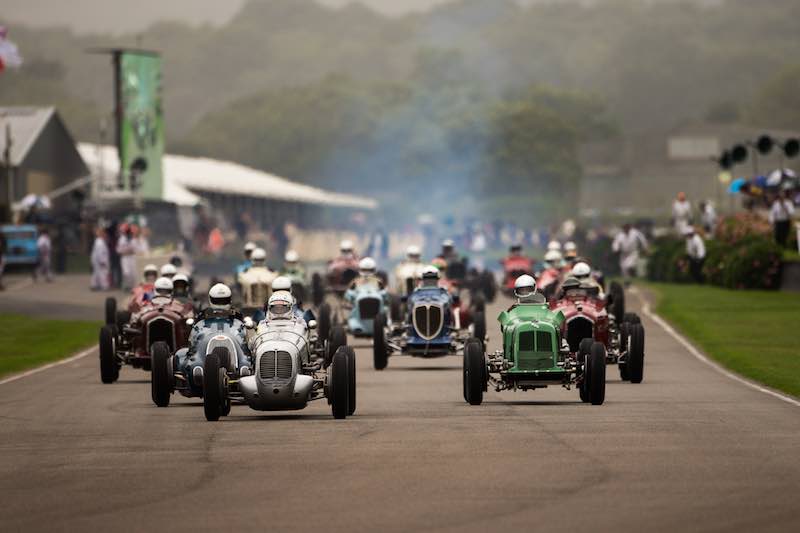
{"points": [[29, 342], [749, 332]]}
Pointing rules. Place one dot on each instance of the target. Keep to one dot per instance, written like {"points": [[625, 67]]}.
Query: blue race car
{"points": [[216, 331], [367, 301], [21, 246], [433, 327]]}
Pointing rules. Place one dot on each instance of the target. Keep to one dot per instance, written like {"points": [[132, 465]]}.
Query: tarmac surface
{"points": [[687, 450]]}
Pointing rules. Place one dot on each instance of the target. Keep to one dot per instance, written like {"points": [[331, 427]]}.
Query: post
{"points": [[9, 171]]}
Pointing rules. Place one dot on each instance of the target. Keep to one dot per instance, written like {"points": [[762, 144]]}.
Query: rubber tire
{"points": [[479, 326], [212, 387], [617, 294], [351, 375], [324, 321], [339, 384], [584, 348], [636, 353], [489, 286], [474, 372], [109, 371], [337, 339], [631, 318], [478, 302], [122, 318], [597, 374], [395, 309], [380, 355], [317, 289], [111, 311], [160, 378]]}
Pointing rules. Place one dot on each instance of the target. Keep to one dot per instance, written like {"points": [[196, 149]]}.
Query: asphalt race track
{"points": [[687, 450]]}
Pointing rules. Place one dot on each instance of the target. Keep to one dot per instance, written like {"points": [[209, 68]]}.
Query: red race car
{"points": [[515, 266]]}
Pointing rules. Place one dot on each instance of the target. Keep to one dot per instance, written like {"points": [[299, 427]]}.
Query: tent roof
{"points": [[26, 124]]}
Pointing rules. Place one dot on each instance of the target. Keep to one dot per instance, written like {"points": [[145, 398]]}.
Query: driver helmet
{"points": [[448, 246], [279, 306], [180, 285], [430, 276], [515, 249], [176, 260], [413, 253], [291, 258], [552, 258], [163, 287], [581, 270], [554, 245], [281, 283], [570, 250], [168, 271], [248, 249], [346, 247], [367, 266], [525, 288], [150, 273], [219, 297], [258, 257]]}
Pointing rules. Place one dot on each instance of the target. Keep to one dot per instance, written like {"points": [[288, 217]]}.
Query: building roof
{"points": [[184, 176], [26, 124]]}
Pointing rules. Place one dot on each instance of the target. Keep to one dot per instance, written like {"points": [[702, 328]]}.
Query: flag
{"points": [[9, 54]]}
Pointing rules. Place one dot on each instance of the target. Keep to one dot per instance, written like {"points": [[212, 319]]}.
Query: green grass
{"points": [[750, 332], [29, 342]]}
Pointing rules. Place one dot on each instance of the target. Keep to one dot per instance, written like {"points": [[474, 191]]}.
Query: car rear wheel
{"points": [[339, 384], [474, 372], [109, 371], [617, 299], [337, 339], [214, 386], [324, 321], [584, 348], [380, 353], [597, 374], [317, 289], [161, 377], [351, 380], [111, 311], [479, 326], [396, 308], [636, 353]]}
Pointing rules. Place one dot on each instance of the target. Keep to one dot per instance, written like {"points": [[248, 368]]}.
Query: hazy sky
{"points": [[118, 16]]}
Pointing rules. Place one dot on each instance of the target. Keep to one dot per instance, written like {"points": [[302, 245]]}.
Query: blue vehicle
{"points": [[222, 332], [367, 300], [21, 246], [434, 326]]}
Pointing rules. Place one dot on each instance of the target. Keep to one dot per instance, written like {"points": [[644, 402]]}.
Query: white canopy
{"points": [[183, 175]]}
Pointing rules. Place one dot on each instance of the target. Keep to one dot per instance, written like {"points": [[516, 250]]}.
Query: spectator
{"points": [[681, 213], [780, 216], [708, 217], [101, 262], [126, 248], [45, 249], [696, 250], [116, 266], [3, 246], [627, 244]]}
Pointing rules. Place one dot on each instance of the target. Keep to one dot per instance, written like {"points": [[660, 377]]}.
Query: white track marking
{"points": [[698, 355], [48, 366]]}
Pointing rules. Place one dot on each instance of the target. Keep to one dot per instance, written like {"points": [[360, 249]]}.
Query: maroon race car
{"points": [[160, 320], [515, 266]]}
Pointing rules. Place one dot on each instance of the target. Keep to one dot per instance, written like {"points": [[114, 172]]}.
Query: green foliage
{"points": [[777, 103], [750, 332]]}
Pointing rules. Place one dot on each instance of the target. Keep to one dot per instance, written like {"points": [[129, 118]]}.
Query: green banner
{"points": [[142, 123]]}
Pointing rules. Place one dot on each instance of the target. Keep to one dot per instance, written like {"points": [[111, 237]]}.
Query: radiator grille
{"points": [[275, 366], [428, 320], [368, 308]]}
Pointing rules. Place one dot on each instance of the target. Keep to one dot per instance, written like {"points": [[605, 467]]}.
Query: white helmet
{"points": [[291, 257], [248, 248], [552, 257], [149, 271], [367, 266], [430, 276], [168, 270], [413, 252], [448, 243], [570, 246], [524, 287], [163, 286], [280, 305], [282, 283], [346, 246], [219, 297], [258, 257], [554, 245], [581, 270]]}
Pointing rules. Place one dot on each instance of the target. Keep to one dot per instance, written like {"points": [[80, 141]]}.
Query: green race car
{"points": [[534, 356]]}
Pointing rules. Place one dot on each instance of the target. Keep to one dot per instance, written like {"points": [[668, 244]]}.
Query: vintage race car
{"points": [[433, 327], [366, 301], [338, 276], [587, 316], [255, 288], [291, 369], [515, 266], [547, 280], [161, 320], [183, 370], [534, 355]]}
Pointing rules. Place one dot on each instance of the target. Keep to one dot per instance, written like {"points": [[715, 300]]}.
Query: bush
{"points": [[667, 261]]}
